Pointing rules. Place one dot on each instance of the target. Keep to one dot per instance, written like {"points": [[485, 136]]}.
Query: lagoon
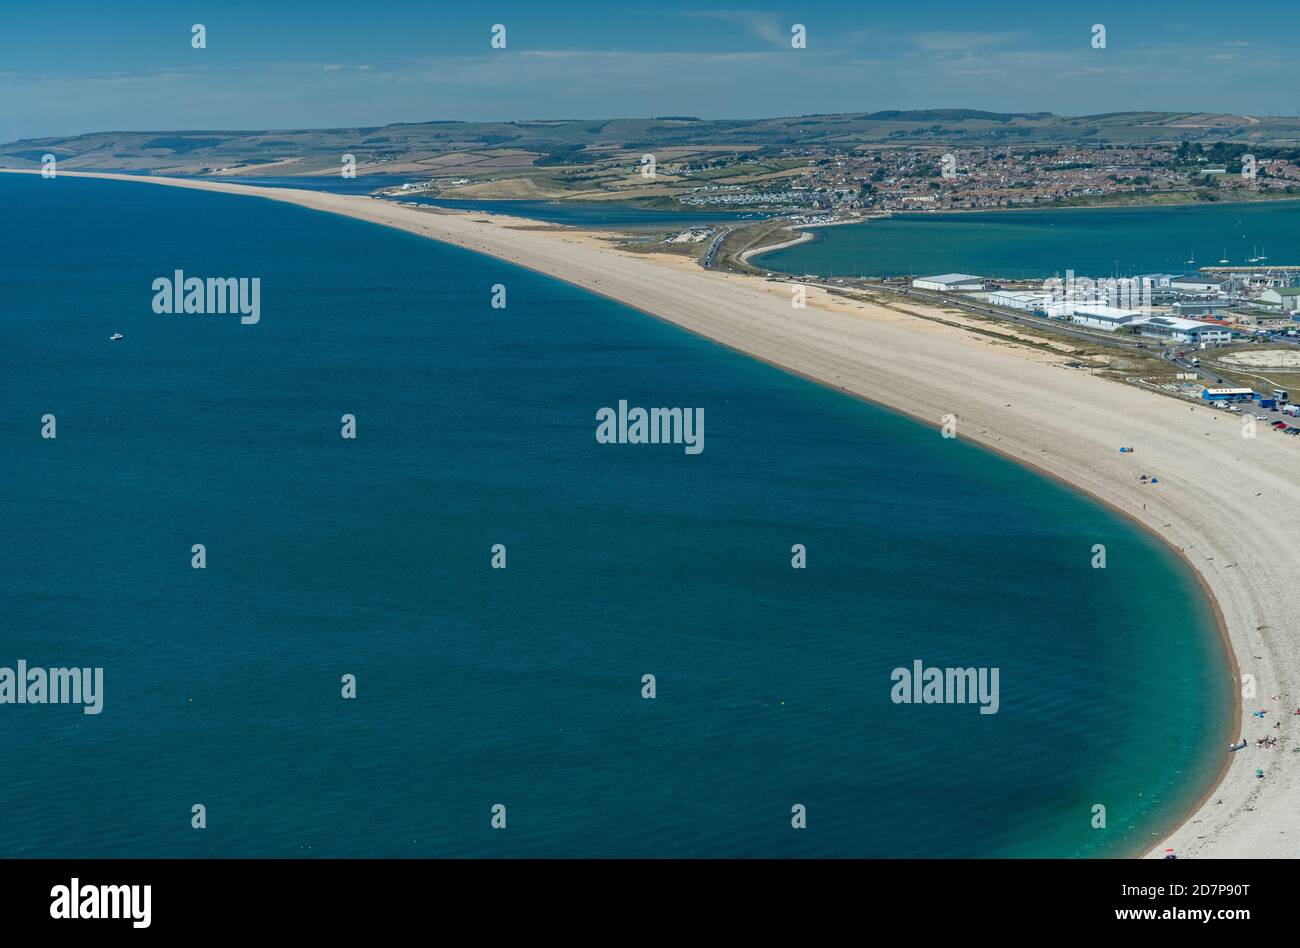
{"points": [[1038, 244]]}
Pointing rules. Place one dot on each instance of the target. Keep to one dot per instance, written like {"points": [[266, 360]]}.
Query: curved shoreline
{"points": [[803, 238], [1167, 827], [755, 320], [1220, 625]]}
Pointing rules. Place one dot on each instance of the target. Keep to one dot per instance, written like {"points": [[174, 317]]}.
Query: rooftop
{"points": [[1175, 322], [1107, 312], [1197, 278], [951, 278]]}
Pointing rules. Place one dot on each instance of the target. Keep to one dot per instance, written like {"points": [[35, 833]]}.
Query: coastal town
{"points": [[843, 183], [935, 179]]}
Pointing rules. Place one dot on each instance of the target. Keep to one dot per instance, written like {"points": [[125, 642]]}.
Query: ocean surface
{"points": [[522, 687], [1036, 244]]}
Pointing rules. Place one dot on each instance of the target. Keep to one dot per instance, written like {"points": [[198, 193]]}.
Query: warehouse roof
{"points": [[1175, 322], [951, 278]]}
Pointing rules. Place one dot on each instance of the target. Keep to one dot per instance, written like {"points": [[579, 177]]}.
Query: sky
{"points": [[82, 66]]}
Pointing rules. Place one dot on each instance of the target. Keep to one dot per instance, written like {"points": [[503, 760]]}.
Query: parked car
{"points": [[1279, 425]]}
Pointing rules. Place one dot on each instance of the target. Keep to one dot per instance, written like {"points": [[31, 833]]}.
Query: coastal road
{"points": [[1184, 364], [715, 245], [1025, 319]]}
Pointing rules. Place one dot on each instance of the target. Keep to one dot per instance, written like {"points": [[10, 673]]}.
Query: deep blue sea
{"points": [[522, 686]]}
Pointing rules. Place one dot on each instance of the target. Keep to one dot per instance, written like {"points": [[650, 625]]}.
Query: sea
{"points": [[1039, 244], [504, 712]]}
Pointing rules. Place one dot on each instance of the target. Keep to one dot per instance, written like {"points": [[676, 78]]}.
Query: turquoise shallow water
{"points": [[480, 686], [1035, 244]]}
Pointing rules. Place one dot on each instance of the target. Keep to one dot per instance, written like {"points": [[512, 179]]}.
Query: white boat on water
{"points": [[116, 336]]}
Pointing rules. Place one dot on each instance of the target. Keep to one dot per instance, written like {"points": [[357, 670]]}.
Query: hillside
{"points": [[448, 147]]}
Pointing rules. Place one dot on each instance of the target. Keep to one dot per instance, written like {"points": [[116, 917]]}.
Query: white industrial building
{"points": [[1185, 308], [1158, 281], [1285, 298], [1200, 283], [949, 282], [1030, 302], [1184, 330], [1108, 318]]}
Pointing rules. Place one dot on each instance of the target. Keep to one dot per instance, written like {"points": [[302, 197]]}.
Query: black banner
{"points": [[175, 897]]}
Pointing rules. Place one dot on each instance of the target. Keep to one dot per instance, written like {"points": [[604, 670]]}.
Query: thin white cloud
{"points": [[748, 80], [945, 40], [765, 26]]}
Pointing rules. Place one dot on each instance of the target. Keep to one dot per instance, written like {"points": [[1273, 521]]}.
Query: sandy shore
{"points": [[1230, 504]]}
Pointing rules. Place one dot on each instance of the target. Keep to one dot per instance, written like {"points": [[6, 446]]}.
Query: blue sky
{"points": [[84, 66]]}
